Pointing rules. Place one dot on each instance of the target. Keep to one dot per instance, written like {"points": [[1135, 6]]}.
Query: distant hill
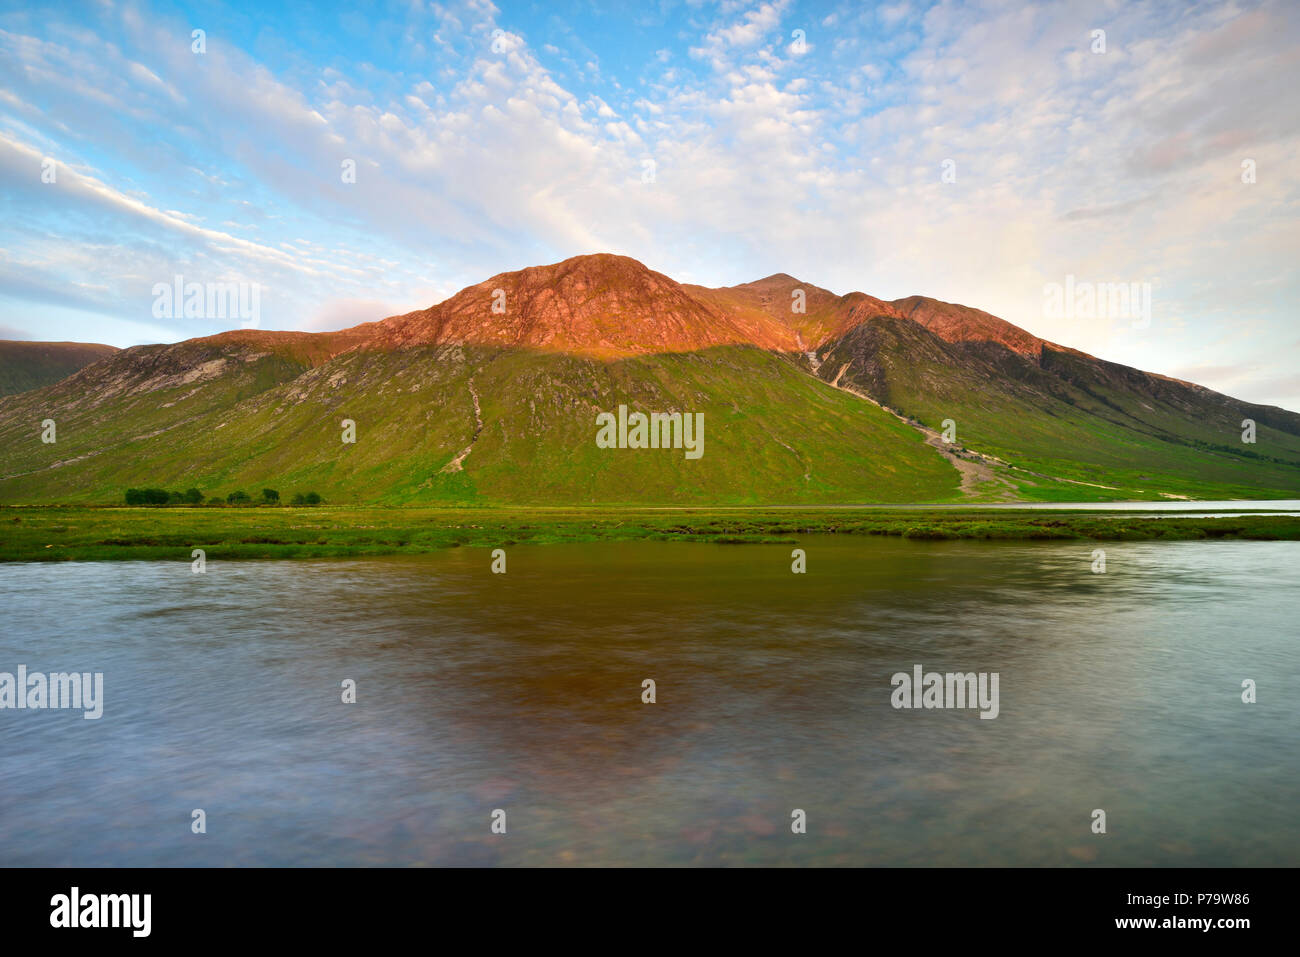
{"points": [[491, 397], [30, 365]]}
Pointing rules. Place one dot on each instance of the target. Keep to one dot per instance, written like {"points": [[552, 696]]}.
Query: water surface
{"points": [[522, 691]]}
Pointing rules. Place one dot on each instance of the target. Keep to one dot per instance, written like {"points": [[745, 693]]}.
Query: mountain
{"points": [[954, 323], [30, 365], [1047, 410], [823, 315], [602, 305], [492, 396]]}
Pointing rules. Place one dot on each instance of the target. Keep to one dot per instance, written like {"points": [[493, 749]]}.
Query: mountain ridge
{"points": [[472, 404], [466, 317]]}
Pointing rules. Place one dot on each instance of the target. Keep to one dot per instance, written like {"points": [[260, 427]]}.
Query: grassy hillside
{"points": [[1074, 417], [31, 365], [772, 433]]}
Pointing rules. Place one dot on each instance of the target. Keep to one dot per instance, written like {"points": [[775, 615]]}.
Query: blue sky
{"points": [[491, 137]]}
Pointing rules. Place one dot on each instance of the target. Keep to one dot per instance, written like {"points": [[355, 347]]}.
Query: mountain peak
{"points": [[776, 279], [608, 305], [601, 304]]}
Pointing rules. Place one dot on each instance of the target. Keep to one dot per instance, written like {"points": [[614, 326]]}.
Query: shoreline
{"points": [[116, 533]]}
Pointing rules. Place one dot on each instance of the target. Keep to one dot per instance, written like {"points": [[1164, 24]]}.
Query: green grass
{"points": [[269, 417], [1100, 432], [71, 533], [772, 434]]}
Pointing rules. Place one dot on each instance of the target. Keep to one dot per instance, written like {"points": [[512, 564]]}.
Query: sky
{"points": [[357, 161]]}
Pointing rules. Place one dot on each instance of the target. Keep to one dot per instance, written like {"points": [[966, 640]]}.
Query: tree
{"points": [[270, 496], [193, 497], [311, 498], [237, 498], [149, 496]]}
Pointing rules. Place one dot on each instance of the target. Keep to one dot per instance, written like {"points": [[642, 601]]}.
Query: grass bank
{"points": [[68, 533]]}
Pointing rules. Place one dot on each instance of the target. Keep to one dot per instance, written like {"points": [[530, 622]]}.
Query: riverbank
{"points": [[68, 533]]}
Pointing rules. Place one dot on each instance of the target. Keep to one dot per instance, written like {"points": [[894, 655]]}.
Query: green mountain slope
{"points": [[30, 365], [1066, 414], [772, 433]]}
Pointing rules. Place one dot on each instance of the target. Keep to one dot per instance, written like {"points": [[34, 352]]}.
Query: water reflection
{"points": [[523, 692]]}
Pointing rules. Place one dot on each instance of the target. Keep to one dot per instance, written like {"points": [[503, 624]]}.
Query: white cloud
{"points": [[1112, 167]]}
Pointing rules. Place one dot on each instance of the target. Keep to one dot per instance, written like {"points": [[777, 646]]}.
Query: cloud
{"points": [[753, 27], [1113, 167], [21, 161]]}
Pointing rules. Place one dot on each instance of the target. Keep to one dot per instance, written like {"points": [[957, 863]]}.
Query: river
{"points": [[522, 692]]}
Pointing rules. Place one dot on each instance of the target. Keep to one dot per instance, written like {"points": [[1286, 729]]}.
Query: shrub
{"points": [[147, 496]]}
